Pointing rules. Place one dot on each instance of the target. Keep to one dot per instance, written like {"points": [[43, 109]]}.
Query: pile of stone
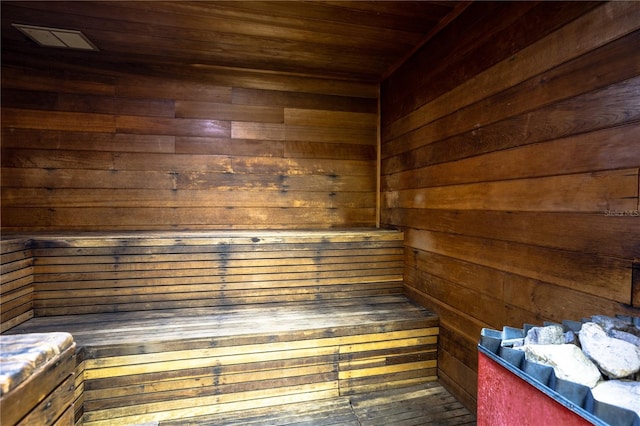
{"points": [[603, 355]]}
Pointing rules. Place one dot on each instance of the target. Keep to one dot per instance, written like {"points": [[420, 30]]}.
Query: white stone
{"points": [[549, 335], [621, 393], [614, 357], [568, 362]]}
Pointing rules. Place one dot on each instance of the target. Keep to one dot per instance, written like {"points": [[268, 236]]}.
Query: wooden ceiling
{"points": [[351, 40]]}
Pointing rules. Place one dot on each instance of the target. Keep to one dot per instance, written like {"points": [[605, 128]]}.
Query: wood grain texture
{"points": [[593, 233], [43, 396], [549, 87], [535, 137], [138, 272], [263, 355], [336, 410], [282, 319], [174, 326], [589, 193], [533, 59], [489, 172], [508, 151], [173, 153], [338, 40], [16, 282]]}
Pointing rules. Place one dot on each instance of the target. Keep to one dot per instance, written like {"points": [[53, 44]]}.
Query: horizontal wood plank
{"points": [[86, 141], [16, 282], [589, 233], [203, 269], [51, 120], [591, 192], [268, 131], [175, 127], [597, 275], [322, 118], [561, 84], [182, 198], [613, 21], [294, 362], [288, 99], [50, 81], [229, 112], [586, 152], [337, 134]]}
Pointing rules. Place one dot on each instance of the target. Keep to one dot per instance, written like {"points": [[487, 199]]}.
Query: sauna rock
{"points": [[568, 362], [611, 324], [614, 357], [549, 335], [622, 393]]}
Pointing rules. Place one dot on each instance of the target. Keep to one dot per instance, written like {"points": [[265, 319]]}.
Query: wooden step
{"points": [[177, 364]]}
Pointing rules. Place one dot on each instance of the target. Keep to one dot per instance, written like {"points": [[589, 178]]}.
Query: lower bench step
{"points": [[138, 367]]}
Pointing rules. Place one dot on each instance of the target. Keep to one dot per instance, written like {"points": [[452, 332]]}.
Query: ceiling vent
{"points": [[55, 37]]}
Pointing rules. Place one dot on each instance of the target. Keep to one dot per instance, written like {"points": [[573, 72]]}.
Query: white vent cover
{"points": [[55, 37]]}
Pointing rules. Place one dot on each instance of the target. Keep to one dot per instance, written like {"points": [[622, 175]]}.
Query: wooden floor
{"points": [[426, 404]]}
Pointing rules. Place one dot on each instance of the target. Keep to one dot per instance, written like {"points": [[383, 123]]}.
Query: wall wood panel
{"points": [[608, 65], [532, 59], [583, 152], [16, 282], [478, 39], [119, 151], [69, 82], [586, 192], [515, 174], [86, 141]]}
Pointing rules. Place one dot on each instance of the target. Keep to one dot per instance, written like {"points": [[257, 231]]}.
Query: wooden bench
{"points": [[37, 379], [174, 326]]}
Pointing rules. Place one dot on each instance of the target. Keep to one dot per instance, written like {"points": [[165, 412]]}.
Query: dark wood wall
{"points": [[84, 150], [510, 156]]}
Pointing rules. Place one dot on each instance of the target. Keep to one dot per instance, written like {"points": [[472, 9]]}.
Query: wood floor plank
{"points": [[426, 404], [417, 405], [323, 412]]}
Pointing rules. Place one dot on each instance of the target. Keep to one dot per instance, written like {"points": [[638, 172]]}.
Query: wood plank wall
{"points": [[215, 149], [510, 156], [16, 282]]}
